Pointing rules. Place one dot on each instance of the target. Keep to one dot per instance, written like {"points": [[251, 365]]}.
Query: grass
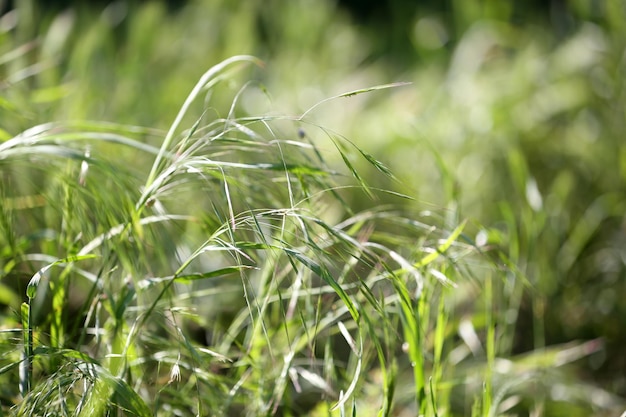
{"points": [[234, 233], [246, 260]]}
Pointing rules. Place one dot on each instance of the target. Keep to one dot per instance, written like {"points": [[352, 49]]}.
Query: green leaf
{"points": [[353, 170], [328, 278], [25, 309], [379, 165], [441, 248], [374, 88], [252, 245], [33, 284], [216, 273]]}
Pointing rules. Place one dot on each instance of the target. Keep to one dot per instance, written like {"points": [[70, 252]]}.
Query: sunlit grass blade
{"points": [[442, 248], [354, 93]]}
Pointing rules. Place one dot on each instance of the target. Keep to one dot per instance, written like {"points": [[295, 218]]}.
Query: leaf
{"points": [[216, 273], [25, 315], [252, 245], [379, 165], [374, 88], [442, 248], [353, 170], [33, 284], [328, 278], [353, 93]]}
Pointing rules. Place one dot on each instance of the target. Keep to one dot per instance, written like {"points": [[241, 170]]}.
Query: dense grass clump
{"points": [[229, 277]]}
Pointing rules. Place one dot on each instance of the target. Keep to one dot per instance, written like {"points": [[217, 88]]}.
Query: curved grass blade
{"points": [[204, 80]]}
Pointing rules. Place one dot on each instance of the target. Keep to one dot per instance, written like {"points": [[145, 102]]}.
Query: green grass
{"points": [[235, 232], [305, 234]]}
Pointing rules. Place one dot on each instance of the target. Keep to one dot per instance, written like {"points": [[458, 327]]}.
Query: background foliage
{"points": [[513, 121]]}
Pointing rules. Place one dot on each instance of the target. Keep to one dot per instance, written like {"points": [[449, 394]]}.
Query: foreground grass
{"points": [[229, 278]]}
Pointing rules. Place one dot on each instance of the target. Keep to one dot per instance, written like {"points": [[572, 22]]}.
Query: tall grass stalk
{"points": [[490, 347]]}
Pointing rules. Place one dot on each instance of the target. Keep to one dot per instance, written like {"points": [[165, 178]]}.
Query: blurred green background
{"points": [[514, 117]]}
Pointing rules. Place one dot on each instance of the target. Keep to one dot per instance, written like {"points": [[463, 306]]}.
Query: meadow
{"points": [[273, 208]]}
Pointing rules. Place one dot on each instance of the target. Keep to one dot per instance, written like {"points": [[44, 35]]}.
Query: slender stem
{"points": [[26, 367]]}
